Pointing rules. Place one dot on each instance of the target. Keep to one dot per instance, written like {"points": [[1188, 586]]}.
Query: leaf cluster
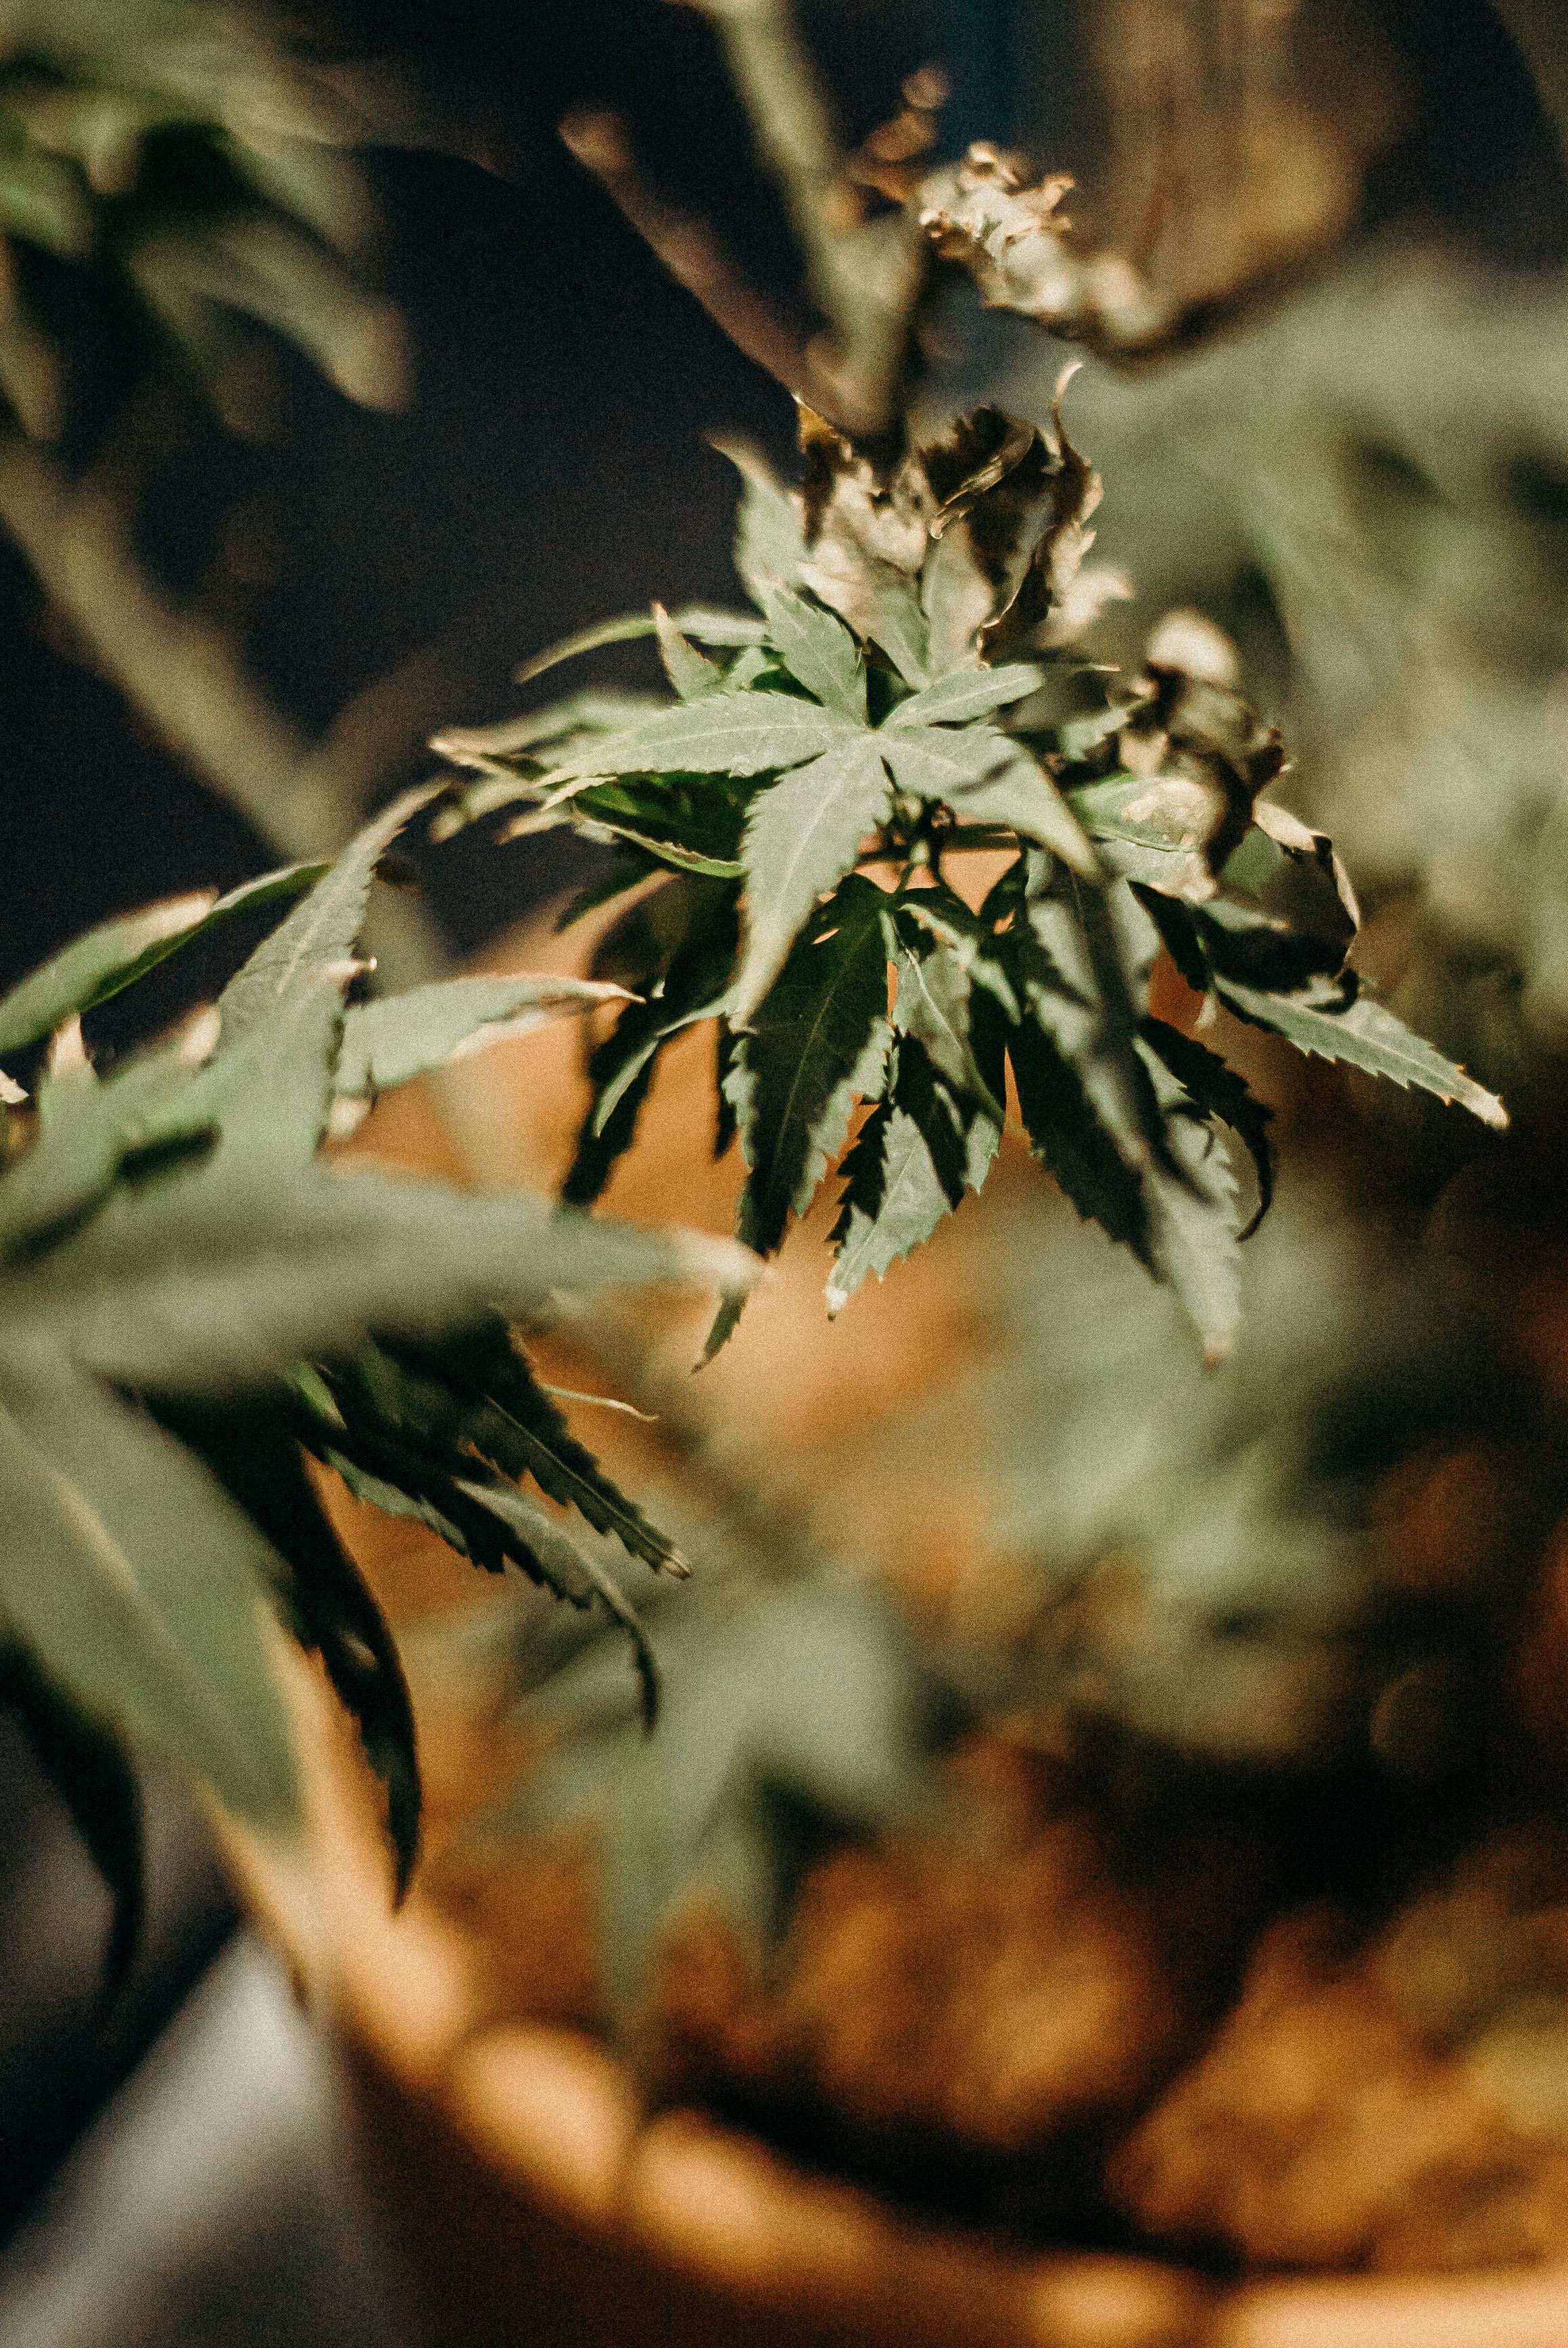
{"points": [[189, 157], [189, 1294], [903, 695]]}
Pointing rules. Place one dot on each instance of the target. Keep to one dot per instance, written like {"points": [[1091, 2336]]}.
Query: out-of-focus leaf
{"points": [[96, 967], [392, 1041], [140, 1589]]}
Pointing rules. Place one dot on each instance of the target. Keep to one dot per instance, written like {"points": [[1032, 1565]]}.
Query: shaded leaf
{"points": [[1364, 1035], [137, 1586], [818, 1040], [392, 1041], [1220, 1091]]}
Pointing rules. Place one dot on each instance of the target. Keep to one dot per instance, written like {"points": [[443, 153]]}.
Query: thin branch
{"points": [[865, 275], [689, 249]]}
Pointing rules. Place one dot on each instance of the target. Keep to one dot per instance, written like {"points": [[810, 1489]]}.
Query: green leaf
{"points": [[803, 835], [693, 986], [322, 1596], [723, 734], [965, 694], [818, 651], [98, 966], [1069, 1139], [818, 1040], [769, 545], [1220, 1091], [513, 1423], [799, 1705], [893, 1197], [390, 1042], [211, 1282], [1017, 790], [690, 672], [1364, 1035], [270, 1083], [137, 1587], [553, 1555]]}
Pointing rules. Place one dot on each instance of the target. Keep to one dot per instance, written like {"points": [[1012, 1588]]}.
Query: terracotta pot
{"points": [[533, 2204], [532, 2201]]}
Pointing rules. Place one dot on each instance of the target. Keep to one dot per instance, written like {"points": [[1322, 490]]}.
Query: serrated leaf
{"points": [[1220, 1091], [723, 734], [803, 835], [1017, 791], [933, 1006], [137, 1586], [893, 1197], [965, 694], [392, 1041], [818, 1040], [693, 986], [1364, 1035], [96, 967], [690, 672], [818, 651], [514, 1425], [968, 936], [553, 1554]]}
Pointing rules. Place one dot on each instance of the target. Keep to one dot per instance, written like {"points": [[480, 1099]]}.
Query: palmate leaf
{"points": [[506, 1417], [800, 1704], [1364, 1035], [164, 1235], [917, 1151], [818, 649]]}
